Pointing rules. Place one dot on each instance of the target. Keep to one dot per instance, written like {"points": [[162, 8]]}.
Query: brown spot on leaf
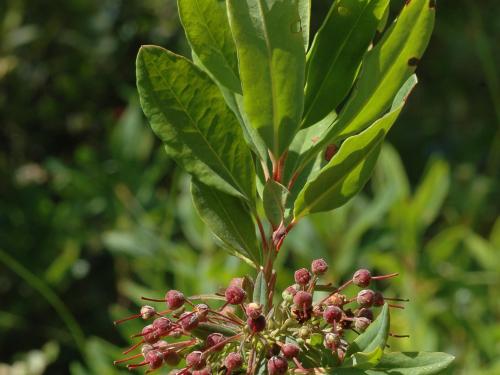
{"points": [[432, 4], [314, 139], [407, 2], [330, 151], [413, 61]]}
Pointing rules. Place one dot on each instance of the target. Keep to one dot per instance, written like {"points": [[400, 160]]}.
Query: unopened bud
{"points": [[277, 365], [302, 276], [331, 341], [337, 299], [365, 298], [302, 299], [257, 325], [195, 360], [332, 314], [154, 358], [147, 312], [253, 310], [319, 266], [235, 295], [215, 339], [362, 278], [290, 351], [378, 299], [233, 361], [361, 323], [174, 299]]}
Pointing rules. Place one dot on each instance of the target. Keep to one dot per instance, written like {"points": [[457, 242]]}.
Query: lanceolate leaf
{"points": [[229, 218], [349, 170], [260, 290], [386, 67], [336, 54], [375, 335], [413, 363], [187, 112], [207, 30], [274, 199], [271, 58]]}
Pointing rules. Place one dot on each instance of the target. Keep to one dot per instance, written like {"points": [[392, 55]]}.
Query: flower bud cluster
{"points": [[236, 336]]}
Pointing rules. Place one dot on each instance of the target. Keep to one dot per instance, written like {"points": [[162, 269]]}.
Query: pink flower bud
{"points": [[171, 358], [174, 299], [154, 358], [302, 276], [147, 312], [235, 295], [378, 299], [332, 314], [195, 360], [361, 323], [302, 299], [290, 351], [233, 361], [214, 339], [150, 334], [319, 266], [337, 299], [162, 325], [362, 278], [365, 313], [258, 324], [253, 310], [203, 371], [277, 365], [331, 341], [365, 298]]}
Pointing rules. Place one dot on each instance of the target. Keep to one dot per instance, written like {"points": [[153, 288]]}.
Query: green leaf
{"points": [[229, 218], [413, 363], [365, 360], [348, 171], [274, 199], [207, 30], [260, 290], [271, 63], [375, 335], [188, 113], [386, 67], [336, 54], [305, 20]]}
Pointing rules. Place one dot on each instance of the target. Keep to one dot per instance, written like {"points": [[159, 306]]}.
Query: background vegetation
{"points": [[93, 215]]}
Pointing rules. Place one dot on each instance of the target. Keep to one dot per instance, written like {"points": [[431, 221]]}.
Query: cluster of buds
{"points": [[240, 336]]}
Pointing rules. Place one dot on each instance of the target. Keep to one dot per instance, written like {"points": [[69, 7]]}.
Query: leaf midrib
{"points": [[271, 77], [344, 43], [194, 123], [386, 73]]}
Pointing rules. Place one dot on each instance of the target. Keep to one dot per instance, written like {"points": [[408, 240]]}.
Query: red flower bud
{"points": [[332, 314], [147, 312], [277, 365], [174, 299], [203, 371], [365, 313], [171, 358], [214, 339], [154, 358], [319, 266], [150, 334], [233, 361], [366, 297], [302, 299], [253, 310], [290, 351], [195, 360], [257, 325], [235, 295], [362, 278], [378, 299], [162, 325], [302, 276]]}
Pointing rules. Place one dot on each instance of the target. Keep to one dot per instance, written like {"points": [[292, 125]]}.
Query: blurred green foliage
{"points": [[93, 215]]}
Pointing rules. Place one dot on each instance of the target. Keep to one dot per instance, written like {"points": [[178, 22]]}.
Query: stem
{"points": [[262, 233]]}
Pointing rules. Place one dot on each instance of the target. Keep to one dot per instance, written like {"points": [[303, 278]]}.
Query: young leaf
{"points": [[386, 67], [207, 30], [375, 335], [228, 218], [271, 63], [365, 360], [336, 54], [260, 291], [187, 112], [274, 199], [348, 171], [421, 363]]}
